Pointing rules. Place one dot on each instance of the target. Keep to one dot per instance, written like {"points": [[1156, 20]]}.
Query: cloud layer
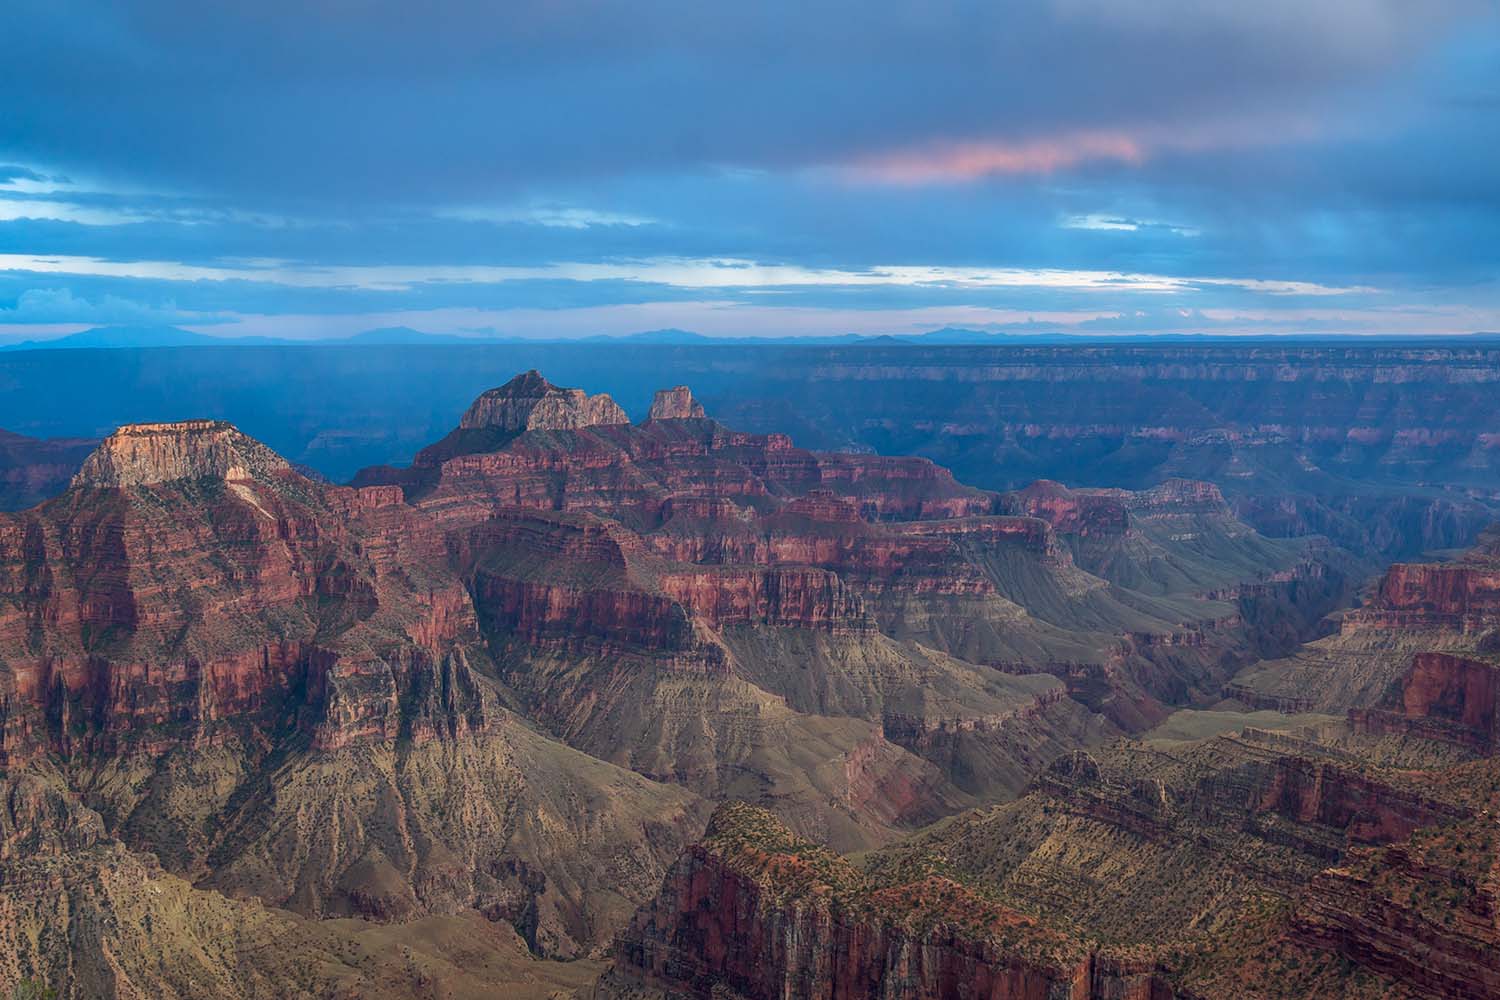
{"points": [[1103, 165]]}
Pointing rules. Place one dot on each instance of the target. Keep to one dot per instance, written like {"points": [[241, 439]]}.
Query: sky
{"points": [[541, 169]]}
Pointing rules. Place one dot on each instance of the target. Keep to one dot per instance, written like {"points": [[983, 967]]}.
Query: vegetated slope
{"points": [[1244, 866], [80, 910], [1343, 855]]}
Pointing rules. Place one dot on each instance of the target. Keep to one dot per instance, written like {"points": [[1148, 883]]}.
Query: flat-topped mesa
{"points": [[676, 403], [142, 454], [529, 402], [1178, 495]]}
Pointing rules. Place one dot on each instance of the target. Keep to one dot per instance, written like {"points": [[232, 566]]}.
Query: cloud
{"points": [[60, 305], [1102, 222], [966, 161], [816, 162], [288, 101], [687, 273], [13, 209], [551, 215], [11, 172]]}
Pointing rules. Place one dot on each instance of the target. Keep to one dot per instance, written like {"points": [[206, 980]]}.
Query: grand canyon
{"points": [[708, 500], [1153, 700]]}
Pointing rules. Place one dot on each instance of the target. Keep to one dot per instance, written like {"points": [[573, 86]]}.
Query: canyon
{"points": [[1382, 447], [670, 708], [1334, 855], [32, 470]]}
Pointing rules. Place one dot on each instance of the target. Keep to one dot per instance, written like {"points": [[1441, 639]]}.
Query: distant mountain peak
{"points": [[122, 336]]}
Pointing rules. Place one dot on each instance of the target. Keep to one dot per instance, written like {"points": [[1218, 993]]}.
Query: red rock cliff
{"points": [[190, 581], [1443, 697], [754, 911]]}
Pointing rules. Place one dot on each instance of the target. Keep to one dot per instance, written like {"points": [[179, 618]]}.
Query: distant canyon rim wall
{"points": [[1387, 447]]}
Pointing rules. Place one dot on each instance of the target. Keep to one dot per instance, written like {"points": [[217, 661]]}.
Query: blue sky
{"points": [[541, 169]]}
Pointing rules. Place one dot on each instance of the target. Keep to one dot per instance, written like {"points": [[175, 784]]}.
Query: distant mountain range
{"points": [[138, 337]]}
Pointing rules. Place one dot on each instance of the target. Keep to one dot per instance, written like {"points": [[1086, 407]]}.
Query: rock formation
{"points": [[494, 695], [647, 587], [1400, 460], [141, 454], [676, 403], [1421, 913], [755, 912], [1128, 872], [529, 402], [1404, 461], [1417, 608], [1441, 697], [279, 688]]}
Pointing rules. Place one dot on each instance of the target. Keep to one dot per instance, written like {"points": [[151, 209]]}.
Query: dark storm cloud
{"points": [[388, 100]]}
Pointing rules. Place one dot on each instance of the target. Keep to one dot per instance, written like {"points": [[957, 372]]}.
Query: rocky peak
{"points": [[529, 402], [139, 454], [676, 403]]}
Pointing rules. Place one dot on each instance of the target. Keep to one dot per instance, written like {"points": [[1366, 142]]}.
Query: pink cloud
{"points": [[970, 160]]}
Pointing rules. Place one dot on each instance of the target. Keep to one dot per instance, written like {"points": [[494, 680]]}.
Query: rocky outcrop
{"points": [[142, 454], [1365, 810], [1079, 512], [754, 912], [1462, 595], [529, 402], [1246, 779], [676, 403], [1450, 608], [189, 582], [791, 597], [1136, 843]]}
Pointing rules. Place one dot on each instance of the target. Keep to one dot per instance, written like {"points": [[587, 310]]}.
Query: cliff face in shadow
{"points": [[31, 470]]}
